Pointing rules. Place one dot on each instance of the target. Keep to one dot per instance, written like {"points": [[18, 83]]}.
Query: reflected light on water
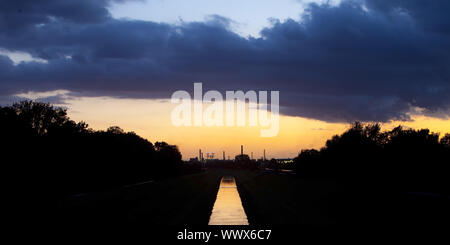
{"points": [[228, 208]]}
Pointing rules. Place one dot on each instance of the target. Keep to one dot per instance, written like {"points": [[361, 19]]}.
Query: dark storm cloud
{"points": [[429, 15], [361, 60], [16, 15]]}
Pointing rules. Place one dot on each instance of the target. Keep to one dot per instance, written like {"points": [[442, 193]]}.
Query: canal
{"points": [[228, 209]]}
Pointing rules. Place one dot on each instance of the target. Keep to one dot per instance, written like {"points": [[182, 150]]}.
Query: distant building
{"points": [[285, 160], [193, 159], [242, 158]]}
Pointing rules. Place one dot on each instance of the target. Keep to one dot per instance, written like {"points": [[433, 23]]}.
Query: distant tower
{"points": [[199, 154], [242, 150], [224, 155], [264, 154], [252, 155]]}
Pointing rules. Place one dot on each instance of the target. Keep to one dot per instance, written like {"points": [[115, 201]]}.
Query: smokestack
{"points": [[242, 150], [264, 154], [199, 154], [224, 155]]}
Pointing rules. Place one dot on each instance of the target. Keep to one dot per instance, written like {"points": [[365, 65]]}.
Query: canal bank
{"points": [[267, 199]]}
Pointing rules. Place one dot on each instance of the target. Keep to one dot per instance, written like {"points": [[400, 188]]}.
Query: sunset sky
{"points": [[118, 62]]}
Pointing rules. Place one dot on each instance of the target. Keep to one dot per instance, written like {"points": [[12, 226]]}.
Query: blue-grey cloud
{"points": [[360, 60]]}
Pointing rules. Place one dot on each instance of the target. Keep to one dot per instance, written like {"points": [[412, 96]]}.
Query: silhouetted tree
{"points": [[306, 162], [445, 141], [115, 130], [168, 158]]}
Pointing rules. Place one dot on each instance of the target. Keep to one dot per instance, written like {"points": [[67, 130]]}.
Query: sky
{"points": [[248, 17], [117, 62]]}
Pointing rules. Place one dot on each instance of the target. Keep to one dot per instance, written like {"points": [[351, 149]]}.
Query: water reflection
{"points": [[228, 208]]}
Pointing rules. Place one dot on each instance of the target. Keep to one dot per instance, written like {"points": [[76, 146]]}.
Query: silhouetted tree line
{"points": [[377, 170], [45, 153], [416, 159]]}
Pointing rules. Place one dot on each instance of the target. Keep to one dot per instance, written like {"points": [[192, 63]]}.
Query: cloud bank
{"points": [[360, 60]]}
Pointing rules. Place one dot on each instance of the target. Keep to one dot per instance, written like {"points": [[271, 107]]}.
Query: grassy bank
{"points": [[184, 200], [274, 199]]}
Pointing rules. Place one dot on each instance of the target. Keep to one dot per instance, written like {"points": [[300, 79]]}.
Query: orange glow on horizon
{"points": [[151, 120]]}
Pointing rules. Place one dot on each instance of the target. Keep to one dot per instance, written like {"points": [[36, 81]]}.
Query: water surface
{"points": [[228, 208]]}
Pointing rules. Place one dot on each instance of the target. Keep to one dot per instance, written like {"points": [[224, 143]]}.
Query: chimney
{"points": [[242, 150], [224, 155], [264, 154]]}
